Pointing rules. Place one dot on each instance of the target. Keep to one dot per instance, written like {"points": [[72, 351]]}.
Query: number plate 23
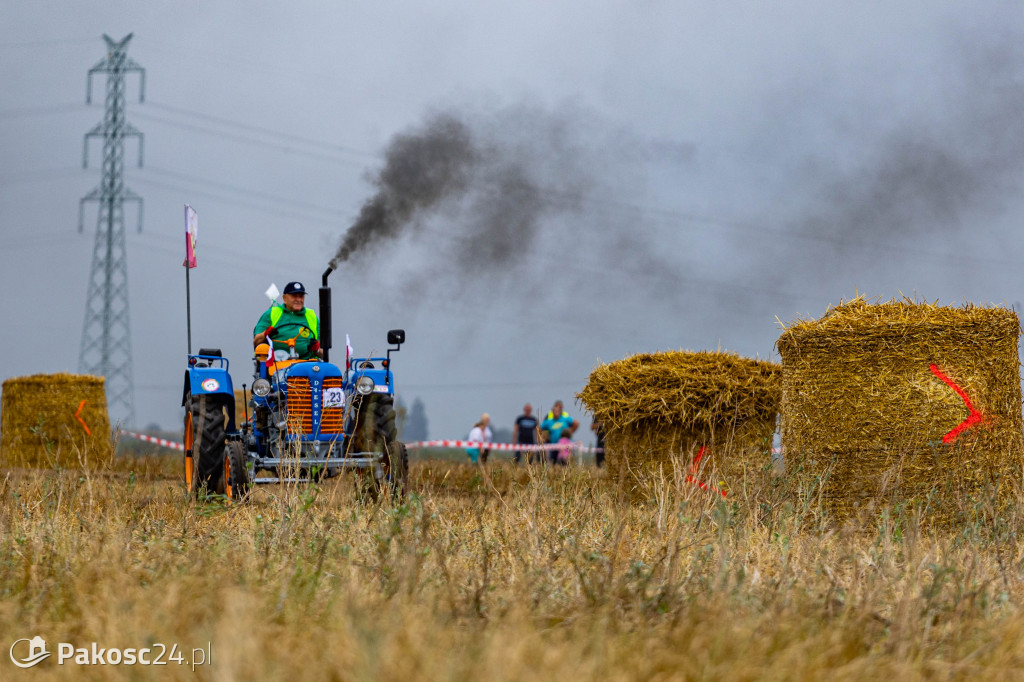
{"points": [[333, 397]]}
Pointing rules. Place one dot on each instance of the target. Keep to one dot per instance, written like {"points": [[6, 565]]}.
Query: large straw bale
{"points": [[869, 406], [660, 409], [39, 426]]}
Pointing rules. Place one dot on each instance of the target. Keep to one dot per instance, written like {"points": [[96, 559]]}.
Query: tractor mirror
{"points": [[396, 336]]}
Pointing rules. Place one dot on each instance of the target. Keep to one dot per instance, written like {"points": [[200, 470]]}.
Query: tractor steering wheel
{"points": [[290, 342]]}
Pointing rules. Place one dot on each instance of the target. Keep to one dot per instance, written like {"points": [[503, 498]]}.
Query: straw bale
{"points": [[240, 406], [659, 409], [865, 407], [39, 426]]}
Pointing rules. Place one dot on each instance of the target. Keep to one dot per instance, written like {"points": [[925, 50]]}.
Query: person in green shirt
{"points": [[291, 320]]}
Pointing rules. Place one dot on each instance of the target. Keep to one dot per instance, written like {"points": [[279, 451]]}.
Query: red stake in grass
{"points": [[973, 419], [695, 469]]}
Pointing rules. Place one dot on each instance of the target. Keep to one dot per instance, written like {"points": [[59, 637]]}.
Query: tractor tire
{"points": [[204, 431], [189, 441], [378, 433], [384, 419], [396, 469], [236, 474]]}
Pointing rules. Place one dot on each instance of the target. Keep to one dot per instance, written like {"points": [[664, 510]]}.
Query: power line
{"points": [[47, 43], [230, 60], [40, 175], [301, 209], [42, 111], [666, 214], [279, 146], [188, 191], [265, 131], [224, 256], [276, 200]]}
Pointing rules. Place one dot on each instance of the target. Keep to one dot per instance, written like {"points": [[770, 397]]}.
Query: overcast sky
{"points": [[648, 176]]}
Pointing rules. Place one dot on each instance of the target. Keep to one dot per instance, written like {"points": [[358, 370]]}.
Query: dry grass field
{"points": [[500, 574]]}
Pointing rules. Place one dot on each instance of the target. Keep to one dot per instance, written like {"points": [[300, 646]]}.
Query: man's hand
{"points": [[269, 332], [314, 347]]}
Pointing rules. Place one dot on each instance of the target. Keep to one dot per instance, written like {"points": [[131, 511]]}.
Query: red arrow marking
{"points": [[78, 413], [973, 419], [695, 469]]}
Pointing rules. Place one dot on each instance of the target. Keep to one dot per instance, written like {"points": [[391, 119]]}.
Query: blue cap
{"points": [[294, 288]]}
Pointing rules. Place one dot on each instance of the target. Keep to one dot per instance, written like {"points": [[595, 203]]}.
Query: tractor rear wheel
{"points": [[204, 431], [189, 443], [236, 474]]}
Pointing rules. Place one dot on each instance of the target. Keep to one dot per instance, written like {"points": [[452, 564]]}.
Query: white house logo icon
{"points": [[36, 652]]}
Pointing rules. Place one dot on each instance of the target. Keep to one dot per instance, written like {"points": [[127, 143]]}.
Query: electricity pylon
{"points": [[106, 333]]}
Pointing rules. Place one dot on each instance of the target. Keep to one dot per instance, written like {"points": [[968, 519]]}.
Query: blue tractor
{"points": [[311, 419]]}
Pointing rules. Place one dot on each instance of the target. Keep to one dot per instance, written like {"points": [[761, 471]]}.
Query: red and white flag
{"points": [[191, 230], [348, 349]]}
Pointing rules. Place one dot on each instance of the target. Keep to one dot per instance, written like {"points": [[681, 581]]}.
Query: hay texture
{"points": [[240, 405], [40, 428], [660, 409], [904, 402]]}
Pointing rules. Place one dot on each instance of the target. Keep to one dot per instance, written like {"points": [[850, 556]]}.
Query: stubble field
{"points": [[501, 573]]}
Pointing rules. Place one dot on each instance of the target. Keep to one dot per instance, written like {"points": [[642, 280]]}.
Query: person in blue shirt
{"points": [[554, 424]]}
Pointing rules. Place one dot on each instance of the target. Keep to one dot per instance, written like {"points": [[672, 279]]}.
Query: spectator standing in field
{"points": [[480, 433], [526, 432], [554, 424], [598, 429], [565, 451]]}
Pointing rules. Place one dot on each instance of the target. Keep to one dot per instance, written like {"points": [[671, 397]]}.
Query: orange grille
{"points": [[332, 419], [300, 409]]}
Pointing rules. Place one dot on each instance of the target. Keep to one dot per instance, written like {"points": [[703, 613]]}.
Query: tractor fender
{"points": [[206, 381]]}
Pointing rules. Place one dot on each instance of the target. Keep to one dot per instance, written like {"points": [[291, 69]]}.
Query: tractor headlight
{"points": [[364, 385], [261, 388]]}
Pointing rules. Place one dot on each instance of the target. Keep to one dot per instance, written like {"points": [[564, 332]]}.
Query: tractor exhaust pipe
{"points": [[325, 314]]}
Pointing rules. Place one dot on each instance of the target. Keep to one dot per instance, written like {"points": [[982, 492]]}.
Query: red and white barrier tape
{"points": [[578, 447], [151, 439]]}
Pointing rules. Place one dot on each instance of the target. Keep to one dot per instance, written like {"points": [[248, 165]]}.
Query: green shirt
{"points": [[291, 324]]}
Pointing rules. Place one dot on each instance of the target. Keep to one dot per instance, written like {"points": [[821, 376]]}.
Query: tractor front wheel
{"points": [[394, 456], [396, 469], [236, 475], [376, 432]]}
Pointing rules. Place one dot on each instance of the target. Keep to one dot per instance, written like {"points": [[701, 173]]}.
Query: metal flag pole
{"points": [[188, 307]]}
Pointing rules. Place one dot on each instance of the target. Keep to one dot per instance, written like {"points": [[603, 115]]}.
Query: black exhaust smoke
{"points": [[421, 168], [493, 176]]}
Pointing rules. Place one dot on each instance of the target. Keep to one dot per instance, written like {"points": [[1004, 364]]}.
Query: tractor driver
{"points": [[280, 323]]}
